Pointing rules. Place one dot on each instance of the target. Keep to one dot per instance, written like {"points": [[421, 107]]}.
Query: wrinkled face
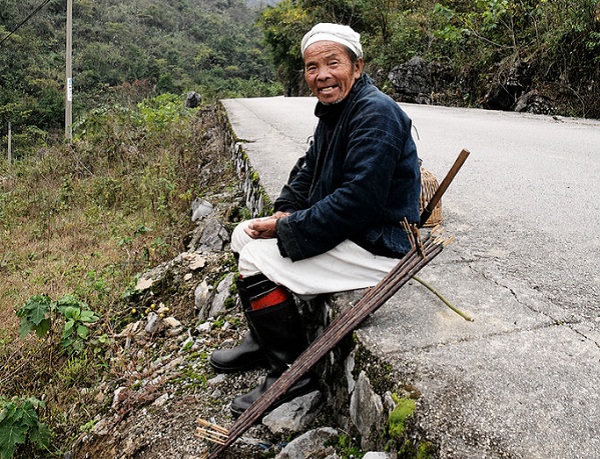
{"points": [[329, 71]]}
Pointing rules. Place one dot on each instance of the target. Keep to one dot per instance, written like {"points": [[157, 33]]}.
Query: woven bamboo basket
{"points": [[429, 186]]}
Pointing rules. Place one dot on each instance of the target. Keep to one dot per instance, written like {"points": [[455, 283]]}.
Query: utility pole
{"points": [[69, 82], [9, 143]]}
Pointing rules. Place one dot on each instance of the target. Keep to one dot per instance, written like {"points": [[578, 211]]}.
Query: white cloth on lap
{"points": [[345, 267]]}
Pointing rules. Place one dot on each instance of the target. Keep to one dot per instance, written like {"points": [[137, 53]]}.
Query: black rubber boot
{"points": [[245, 356], [281, 334], [248, 354]]}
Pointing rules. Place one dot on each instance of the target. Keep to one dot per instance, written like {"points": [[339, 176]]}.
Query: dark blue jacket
{"points": [[360, 180]]}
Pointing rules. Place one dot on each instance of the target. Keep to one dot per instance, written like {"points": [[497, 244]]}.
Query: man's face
{"points": [[329, 71]]}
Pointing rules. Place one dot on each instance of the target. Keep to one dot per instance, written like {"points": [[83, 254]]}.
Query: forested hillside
{"points": [[536, 55], [124, 51], [539, 56]]}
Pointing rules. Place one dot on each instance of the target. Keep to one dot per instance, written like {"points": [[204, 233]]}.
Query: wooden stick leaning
{"points": [[421, 253], [437, 196]]}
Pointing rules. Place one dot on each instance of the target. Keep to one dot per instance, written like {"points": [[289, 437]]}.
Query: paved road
{"points": [[523, 380]]}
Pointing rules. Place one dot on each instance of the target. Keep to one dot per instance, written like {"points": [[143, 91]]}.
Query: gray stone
{"points": [[204, 327], [218, 302], [193, 99], [366, 411], [202, 296], [171, 322], [214, 236], [374, 455], [152, 323], [200, 208], [413, 80], [295, 415], [217, 380], [310, 445]]}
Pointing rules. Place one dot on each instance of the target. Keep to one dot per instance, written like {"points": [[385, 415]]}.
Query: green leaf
{"points": [[68, 300], [24, 328], [43, 328], [26, 415], [68, 330], [35, 309], [89, 316], [40, 435], [72, 312], [83, 331], [11, 435]]}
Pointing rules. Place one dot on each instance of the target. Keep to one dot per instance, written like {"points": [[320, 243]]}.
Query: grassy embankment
{"points": [[84, 220]]}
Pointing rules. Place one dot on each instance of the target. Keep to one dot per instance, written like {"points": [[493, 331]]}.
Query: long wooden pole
{"points": [[411, 264]]}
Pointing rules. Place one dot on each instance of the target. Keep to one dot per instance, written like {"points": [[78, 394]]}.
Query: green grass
{"points": [[85, 219]]}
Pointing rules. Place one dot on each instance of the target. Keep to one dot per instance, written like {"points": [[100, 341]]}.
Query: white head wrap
{"points": [[337, 33]]}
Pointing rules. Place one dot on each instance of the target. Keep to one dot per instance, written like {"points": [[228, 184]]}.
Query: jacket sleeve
{"points": [[375, 134], [294, 195]]}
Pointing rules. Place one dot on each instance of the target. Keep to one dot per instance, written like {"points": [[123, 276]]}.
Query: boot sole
{"points": [[285, 398], [256, 364]]}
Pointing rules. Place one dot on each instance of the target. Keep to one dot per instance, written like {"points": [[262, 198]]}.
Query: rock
{"points": [[200, 208], [295, 415], [175, 331], [349, 369], [214, 236], [152, 323], [218, 302], [413, 81], [171, 322], [143, 283], [373, 455], [511, 83], [204, 327], [120, 394], [194, 260], [202, 296], [162, 400], [309, 445], [130, 330], [533, 102], [217, 380], [193, 99], [366, 411]]}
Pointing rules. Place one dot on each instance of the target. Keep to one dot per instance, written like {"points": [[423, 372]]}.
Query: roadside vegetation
{"points": [[475, 47], [79, 223]]}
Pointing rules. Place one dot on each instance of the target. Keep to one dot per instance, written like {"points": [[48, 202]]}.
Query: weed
{"points": [[20, 425], [78, 222], [39, 313]]}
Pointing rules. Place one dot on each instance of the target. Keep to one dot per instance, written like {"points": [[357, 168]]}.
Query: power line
{"points": [[33, 13]]}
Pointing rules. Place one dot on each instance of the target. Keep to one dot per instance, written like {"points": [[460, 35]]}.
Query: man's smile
{"points": [[328, 89]]}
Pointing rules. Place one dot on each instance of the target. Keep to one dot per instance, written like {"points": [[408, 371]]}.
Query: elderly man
{"points": [[336, 224]]}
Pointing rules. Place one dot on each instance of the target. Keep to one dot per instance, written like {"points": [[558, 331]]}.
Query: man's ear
{"points": [[359, 64]]}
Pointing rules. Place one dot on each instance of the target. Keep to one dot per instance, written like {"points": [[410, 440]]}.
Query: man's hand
{"points": [[265, 228]]}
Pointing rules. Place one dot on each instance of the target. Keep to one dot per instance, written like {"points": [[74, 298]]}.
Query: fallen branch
{"points": [[441, 297]]}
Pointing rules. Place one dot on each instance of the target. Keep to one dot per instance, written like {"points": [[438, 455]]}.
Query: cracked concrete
{"points": [[523, 379]]}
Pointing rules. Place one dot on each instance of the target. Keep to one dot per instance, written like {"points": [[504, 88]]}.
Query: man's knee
{"points": [[239, 238]]}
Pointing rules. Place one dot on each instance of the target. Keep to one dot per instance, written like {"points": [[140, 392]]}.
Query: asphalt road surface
{"points": [[523, 379]]}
